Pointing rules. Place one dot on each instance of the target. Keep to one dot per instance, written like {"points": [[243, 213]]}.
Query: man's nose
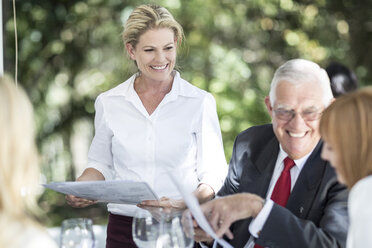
{"points": [[297, 120]]}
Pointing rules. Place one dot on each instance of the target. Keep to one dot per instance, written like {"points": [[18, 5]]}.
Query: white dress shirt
{"points": [[257, 223], [360, 213], [183, 132]]}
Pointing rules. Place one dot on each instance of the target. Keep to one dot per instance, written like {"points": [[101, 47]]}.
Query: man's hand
{"points": [[201, 236], [222, 212]]}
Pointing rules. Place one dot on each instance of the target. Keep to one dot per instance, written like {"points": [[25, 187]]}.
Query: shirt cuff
{"points": [[257, 223], [104, 169], [214, 181]]}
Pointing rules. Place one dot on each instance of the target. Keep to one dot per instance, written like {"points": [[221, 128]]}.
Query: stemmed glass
{"points": [[77, 233], [176, 231], [160, 228], [146, 227]]}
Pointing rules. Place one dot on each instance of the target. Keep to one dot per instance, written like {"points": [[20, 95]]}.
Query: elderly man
{"points": [[279, 192]]}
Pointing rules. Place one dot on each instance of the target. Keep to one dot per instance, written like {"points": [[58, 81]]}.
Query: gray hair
{"points": [[298, 71]]}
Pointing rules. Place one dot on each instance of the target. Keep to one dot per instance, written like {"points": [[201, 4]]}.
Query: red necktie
{"points": [[282, 187]]}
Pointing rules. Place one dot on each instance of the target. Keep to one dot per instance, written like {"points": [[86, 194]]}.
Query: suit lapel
{"points": [[255, 179], [307, 184], [261, 171]]}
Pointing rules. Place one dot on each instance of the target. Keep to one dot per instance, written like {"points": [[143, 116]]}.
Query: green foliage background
{"points": [[70, 51]]}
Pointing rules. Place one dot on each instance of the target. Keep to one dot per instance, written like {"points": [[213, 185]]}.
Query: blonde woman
{"points": [[152, 123], [19, 171], [346, 127]]}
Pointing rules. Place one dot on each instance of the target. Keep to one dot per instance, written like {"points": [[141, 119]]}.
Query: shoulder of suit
{"points": [[261, 132], [255, 138]]}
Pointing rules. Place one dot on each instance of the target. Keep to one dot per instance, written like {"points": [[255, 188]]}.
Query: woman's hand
{"points": [[164, 202], [78, 202], [203, 193], [89, 174]]}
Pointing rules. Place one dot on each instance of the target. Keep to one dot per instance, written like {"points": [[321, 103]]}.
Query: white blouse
{"points": [[183, 132], [360, 213], [27, 235]]}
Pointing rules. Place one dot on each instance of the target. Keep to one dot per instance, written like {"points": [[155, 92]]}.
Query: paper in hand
{"points": [[193, 205], [116, 191]]}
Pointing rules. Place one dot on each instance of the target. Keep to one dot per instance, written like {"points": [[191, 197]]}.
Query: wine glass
{"points": [[77, 233], [146, 227], [176, 231]]}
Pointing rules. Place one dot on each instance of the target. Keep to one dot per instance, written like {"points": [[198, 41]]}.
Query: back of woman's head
{"points": [[347, 126], [19, 172], [146, 17], [343, 80]]}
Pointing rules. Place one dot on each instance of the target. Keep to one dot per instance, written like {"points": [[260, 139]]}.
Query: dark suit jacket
{"points": [[316, 213]]}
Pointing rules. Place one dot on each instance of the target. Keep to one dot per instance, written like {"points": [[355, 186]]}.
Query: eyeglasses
{"points": [[287, 115]]}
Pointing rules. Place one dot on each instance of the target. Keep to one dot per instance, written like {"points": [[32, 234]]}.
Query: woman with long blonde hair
{"points": [[19, 171], [346, 128]]}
